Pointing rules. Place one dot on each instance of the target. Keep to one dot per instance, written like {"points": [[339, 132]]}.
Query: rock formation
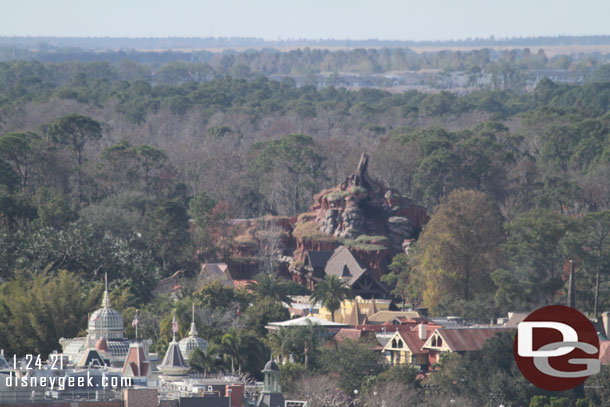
{"points": [[362, 214]]}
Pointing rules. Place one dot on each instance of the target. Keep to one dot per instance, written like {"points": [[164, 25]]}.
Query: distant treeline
{"points": [[114, 43], [308, 61]]}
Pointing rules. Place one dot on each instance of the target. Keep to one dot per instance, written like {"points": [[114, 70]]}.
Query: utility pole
{"points": [[571, 289]]}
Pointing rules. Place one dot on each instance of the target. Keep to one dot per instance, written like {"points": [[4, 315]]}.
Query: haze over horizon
{"points": [[315, 19]]}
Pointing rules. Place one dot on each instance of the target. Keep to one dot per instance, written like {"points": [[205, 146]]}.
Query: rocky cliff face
{"points": [[375, 222], [362, 214]]}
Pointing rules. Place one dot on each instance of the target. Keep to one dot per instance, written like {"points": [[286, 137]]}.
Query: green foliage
{"points": [[301, 344], [53, 209], [496, 374], [216, 295], [243, 351], [296, 157], [18, 149], [354, 363], [262, 312], [403, 280], [459, 248], [596, 387], [39, 309], [592, 239], [290, 374], [537, 248], [266, 286], [8, 177], [167, 227], [87, 253], [331, 292]]}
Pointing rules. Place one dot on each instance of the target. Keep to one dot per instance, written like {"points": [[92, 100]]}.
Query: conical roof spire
{"points": [[372, 308]]}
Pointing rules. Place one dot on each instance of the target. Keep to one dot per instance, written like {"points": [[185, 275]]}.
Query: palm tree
{"points": [[230, 346], [279, 341], [201, 361], [265, 285], [331, 292]]}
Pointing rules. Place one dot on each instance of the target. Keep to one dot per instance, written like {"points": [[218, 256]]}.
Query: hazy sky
{"points": [[274, 19]]}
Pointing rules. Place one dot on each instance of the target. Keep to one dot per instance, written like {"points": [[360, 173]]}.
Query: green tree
{"points": [[53, 210], [244, 350], [403, 280], [537, 248], [459, 248], [75, 131], [18, 149], [218, 296], [8, 177], [168, 232], [119, 167], [268, 286], [593, 236], [202, 362], [151, 160], [39, 309], [295, 157], [262, 312], [331, 292], [354, 362]]}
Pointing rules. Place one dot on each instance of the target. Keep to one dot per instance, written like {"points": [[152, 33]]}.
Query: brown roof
{"points": [[356, 317], [385, 316], [468, 339], [372, 308], [136, 363], [515, 318], [348, 334]]}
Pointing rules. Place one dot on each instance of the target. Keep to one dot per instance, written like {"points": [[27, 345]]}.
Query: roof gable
{"points": [[342, 263], [409, 340]]}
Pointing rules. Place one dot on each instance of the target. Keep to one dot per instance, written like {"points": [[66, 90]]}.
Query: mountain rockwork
{"points": [[362, 214]]}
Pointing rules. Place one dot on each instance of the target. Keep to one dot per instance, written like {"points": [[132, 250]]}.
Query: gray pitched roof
{"points": [[318, 259], [342, 263], [173, 357]]}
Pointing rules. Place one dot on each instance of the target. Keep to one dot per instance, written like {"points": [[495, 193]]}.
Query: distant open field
{"points": [[550, 50]]}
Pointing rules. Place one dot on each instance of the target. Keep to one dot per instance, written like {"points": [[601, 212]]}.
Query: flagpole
{"points": [[137, 323]]}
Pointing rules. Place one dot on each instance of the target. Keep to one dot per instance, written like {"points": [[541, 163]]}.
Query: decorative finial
{"points": [[174, 326], [106, 301], [193, 331]]}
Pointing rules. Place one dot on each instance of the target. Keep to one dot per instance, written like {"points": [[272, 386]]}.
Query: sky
{"points": [[311, 19]]}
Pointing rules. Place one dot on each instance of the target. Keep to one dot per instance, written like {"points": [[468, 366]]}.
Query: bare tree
{"points": [[320, 391]]}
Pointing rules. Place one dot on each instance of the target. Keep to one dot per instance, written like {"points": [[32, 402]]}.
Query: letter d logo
{"points": [[526, 338], [556, 348]]}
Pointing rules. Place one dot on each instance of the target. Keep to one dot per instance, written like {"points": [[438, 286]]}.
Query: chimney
{"points": [[606, 321], [423, 334]]}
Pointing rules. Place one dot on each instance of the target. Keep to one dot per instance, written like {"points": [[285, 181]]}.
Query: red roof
{"points": [[467, 339], [348, 334], [242, 283], [101, 345], [412, 340], [136, 361]]}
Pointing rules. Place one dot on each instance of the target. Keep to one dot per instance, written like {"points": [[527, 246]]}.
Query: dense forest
{"points": [[511, 66], [109, 168]]}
